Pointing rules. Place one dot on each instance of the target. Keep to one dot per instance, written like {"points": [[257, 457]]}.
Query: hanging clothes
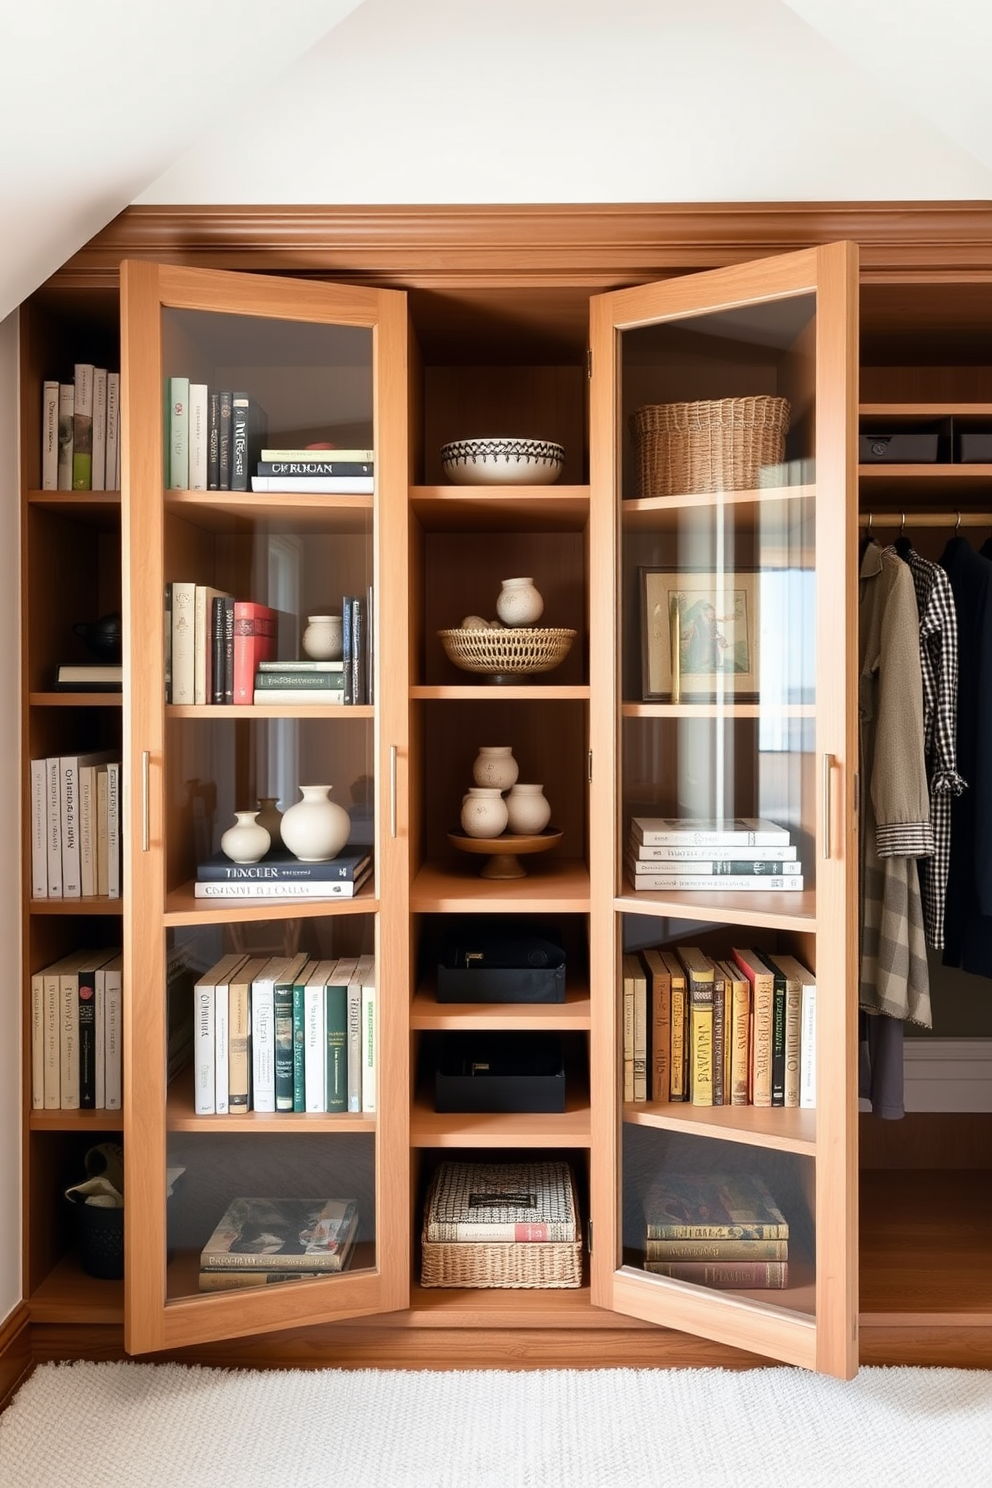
{"points": [[939, 669], [968, 907], [894, 984]]}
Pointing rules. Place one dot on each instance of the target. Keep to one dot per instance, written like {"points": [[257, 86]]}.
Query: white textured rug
{"points": [[169, 1426]]}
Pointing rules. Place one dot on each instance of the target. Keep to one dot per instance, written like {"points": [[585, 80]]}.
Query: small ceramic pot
{"points": [[323, 637], [519, 603], [316, 828], [246, 841], [528, 810], [494, 765], [483, 812], [270, 817]]}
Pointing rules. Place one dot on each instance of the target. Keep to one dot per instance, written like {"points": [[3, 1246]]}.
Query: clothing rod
{"points": [[909, 519]]}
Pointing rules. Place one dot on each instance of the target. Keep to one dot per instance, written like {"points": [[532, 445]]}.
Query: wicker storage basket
{"points": [[479, 1264], [691, 448]]}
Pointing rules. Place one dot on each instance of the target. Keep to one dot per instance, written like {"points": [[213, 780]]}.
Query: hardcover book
{"points": [[177, 432], [50, 436], [273, 889], [283, 1235], [700, 974], [318, 451], [355, 485], [679, 1083], [712, 1206], [67, 427], [255, 631], [82, 427], [725, 1275], [497, 1203], [762, 982], [660, 1018], [248, 423], [314, 467], [98, 463], [280, 866], [716, 1250], [741, 831]]}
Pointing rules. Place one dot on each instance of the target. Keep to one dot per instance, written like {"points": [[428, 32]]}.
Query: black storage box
{"points": [[505, 962], [500, 1072], [975, 447], [897, 449]]}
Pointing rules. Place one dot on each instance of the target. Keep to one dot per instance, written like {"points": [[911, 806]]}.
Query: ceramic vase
{"points": [[495, 765], [528, 810], [247, 840], [316, 828], [270, 818], [519, 603], [322, 639], [483, 812]]}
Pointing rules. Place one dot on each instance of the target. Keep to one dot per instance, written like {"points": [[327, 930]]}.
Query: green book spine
{"points": [[337, 1048], [299, 1050]]}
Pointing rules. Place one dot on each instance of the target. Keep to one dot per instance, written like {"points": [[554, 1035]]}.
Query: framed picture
{"points": [[699, 634]]}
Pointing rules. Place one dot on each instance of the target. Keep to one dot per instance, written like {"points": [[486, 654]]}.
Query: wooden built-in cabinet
{"points": [[492, 338]]}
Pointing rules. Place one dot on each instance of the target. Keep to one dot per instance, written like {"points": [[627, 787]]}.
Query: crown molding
{"points": [[600, 245]]}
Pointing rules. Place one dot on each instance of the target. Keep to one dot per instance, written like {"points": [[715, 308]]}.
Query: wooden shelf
{"points": [[683, 711], [925, 410], [575, 1012], [90, 906], [670, 513], [552, 885], [180, 1116], [926, 482], [75, 699], [773, 909], [88, 1123], [500, 508], [779, 1128], [99, 509], [337, 711], [499, 1129], [242, 511], [482, 692], [69, 1295], [183, 908]]}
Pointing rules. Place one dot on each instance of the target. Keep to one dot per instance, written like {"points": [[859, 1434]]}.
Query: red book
{"points": [[254, 641]]}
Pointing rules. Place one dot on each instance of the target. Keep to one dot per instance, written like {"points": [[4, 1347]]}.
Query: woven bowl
{"points": [[513, 652], [502, 462]]}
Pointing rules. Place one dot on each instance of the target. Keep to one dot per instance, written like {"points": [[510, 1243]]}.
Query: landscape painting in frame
{"points": [[699, 635]]}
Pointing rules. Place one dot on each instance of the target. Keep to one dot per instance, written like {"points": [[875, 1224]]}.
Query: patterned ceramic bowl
{"points": [[502, 462]]}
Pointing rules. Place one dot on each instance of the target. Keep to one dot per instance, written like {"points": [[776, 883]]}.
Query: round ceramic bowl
{"points": [[502, 462]]}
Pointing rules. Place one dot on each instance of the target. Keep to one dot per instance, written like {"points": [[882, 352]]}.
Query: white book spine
{"points": [[67, 406], [222, 1068], [722, 884], [183, 641], [263, 1046], [100, 1038], [368, 1047], [82, 428], [39, 825], [199, 422], [101, 830], [203, 1050], [664, 854], [50, 437], [113, 1024], [54, 828], [87, 833], [53, 1040], [113, 430], [38, 1041], [178, 434], [354, 1045], [99, 478], [69, 1041], [807, 1047], [114, 830], [315, 1045], [69, 801], [313, 889]]}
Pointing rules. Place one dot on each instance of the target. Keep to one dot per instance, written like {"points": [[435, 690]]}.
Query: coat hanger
{"points": [[903, 544]]}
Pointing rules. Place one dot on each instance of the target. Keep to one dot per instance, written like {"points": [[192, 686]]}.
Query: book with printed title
{"points": [[283, 1235], [742, 831], [731, 1206]]}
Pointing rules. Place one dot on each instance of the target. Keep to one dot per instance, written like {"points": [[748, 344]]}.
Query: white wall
{"points": [[11, 1000]]}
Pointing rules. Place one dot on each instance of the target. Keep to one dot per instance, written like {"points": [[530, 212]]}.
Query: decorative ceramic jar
{"points": [[246, 841], [519, 603], [483, 812], [528, 810], [495, 765], [270, 818], [316, 828], [323, 637]]}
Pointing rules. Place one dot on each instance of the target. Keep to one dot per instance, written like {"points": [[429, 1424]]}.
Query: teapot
{"points": [[103, 636]]}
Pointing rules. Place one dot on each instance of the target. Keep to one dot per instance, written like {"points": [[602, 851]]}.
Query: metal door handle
{"points": [[146, 759], [828, 764]]}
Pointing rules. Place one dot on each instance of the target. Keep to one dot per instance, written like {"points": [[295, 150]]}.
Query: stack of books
{"points": [[80, 431], [285, 1034], [720, 1230], [319, 470], [715, 855], [280, 875], [299, 682], [261, 1241], [712, 1031]]}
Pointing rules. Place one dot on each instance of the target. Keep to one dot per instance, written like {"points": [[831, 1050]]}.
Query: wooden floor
{"points": [[926, 1298]]}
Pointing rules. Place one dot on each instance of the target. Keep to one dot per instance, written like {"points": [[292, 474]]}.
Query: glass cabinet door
{"points": [[258, 1016], [723, 414]]}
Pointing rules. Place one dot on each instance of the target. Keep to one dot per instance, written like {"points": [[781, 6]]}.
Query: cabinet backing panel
{"points": [[516, 402]]}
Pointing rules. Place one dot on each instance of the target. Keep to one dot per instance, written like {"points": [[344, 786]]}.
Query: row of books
{"points": [[76, 826], [285, 1034], [722, 1230], [259, 1241], [715, 1032], [81, 431], [280, 875], [222, 650], [707, 855], [318, 470], [76, 1033], [213, 436]]}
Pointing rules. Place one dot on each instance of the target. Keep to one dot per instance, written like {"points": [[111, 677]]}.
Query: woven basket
{"points": [[477, 1264], [691, 448], [521, 649]]}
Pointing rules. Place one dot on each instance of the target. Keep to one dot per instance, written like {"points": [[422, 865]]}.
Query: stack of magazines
{"points": [[261, 1241]]}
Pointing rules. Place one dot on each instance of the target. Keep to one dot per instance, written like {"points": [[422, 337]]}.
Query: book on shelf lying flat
{"points": [[718, 884], [726, 1275], [285, 889], [318, 452], [275, 697], [714, 867], [743, 831], [710, 1206], [315, 467], [350, 485], [684, 853], [89, 676], [501, 1203], [280, 866], [227, 1280], [284, 676], [716, 1250], [263, 1234]]}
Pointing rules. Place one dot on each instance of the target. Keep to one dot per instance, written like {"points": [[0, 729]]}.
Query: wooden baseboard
{"points": [[16, 1360]]}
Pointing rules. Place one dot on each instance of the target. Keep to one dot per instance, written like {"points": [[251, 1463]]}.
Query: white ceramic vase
{"points": [[528, 810], [315, 828], [323, 637], [483, 812], [519, 603], [494, 765], [247, 841], [270, 817]]}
